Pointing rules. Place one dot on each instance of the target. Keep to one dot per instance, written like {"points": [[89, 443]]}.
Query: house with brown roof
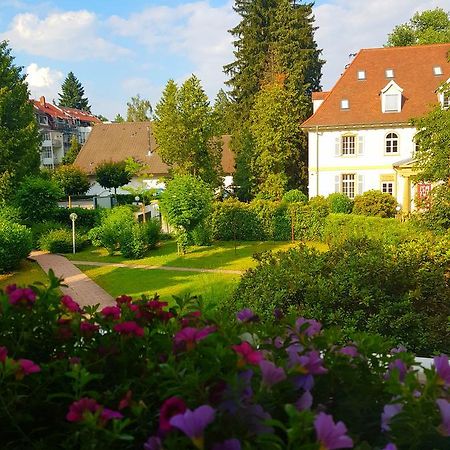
{"points": [[360, 135], [119, 141], [57, 126]]}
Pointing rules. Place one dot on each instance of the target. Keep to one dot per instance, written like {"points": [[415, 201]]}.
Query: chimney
{"points": [[42, 101]]}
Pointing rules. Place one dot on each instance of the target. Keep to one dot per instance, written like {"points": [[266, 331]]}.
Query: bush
{"points": [[86, 218], [375, 203], [10, 213], [340, 203], [274, 219], [436, 214], [37, 199], [152, 232], [309, 219], [60, 241], [294, 196], [400, 291], [15, 245], [341, 227], [42, 229], [202, 234], [80, 378]]}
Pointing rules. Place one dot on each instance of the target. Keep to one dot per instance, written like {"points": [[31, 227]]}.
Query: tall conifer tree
{"points": [[72, 94]]}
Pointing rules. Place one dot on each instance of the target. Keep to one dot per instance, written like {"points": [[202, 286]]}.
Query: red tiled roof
{"points": [[413, 72], [81, 115], [50, 109], [320, 95], [62, 112]]}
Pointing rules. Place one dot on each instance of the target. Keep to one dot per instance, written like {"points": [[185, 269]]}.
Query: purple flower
{"points": [[193, 423], [399, 366], [189, 336], [310, 363], [153, 443], [109, 414], [444, 407], [349, 350], [246, 315], [254, 417], [330, 435], [399, 349], [229, 444], [442, 369], [388, 413], [305, 401], [24, 296], [271, 374], [390, 446], [309, 327]]}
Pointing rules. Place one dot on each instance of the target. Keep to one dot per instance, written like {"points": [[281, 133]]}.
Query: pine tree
{"points": [[139, 109], [72, 95], [19, 135], [119, 119]]}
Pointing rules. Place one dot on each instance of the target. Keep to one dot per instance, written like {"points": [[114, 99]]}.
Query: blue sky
{"points": [[119, 48]]}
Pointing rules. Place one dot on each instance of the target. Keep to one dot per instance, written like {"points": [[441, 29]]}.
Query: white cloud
{"points": [[43, 81], [196, 31], [69, 36], [346, 26]]}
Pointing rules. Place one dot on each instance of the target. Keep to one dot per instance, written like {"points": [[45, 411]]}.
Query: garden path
{"points": [[79, 286], [148, 267]]}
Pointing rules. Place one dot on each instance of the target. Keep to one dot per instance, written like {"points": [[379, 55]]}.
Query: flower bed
{"points": [[141, 374]]}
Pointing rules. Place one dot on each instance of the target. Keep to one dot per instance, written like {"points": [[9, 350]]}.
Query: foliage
{"points": [[431, 26], [37, 199], [274, 219], [223, 112], [72, 180], [119, 119], [185, 203], [433, 149], [436, 215], [60, 241], [111, 174], [340, 203], [86, 218], [15, 244], [19, 136], [400, 292], [10, 213], [41, 229], [186, 132], [72, 94], [375, 203], [294, 196], [118, 377], [74, 149], [139, 109]]}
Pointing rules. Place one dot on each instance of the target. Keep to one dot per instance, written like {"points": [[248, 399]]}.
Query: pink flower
{"points": [[190, 336], [3, 354], [80, 408], [129, 328], [123, 299], [88, 328], [70, 304], [109, 414], [246, 354], [10, 288], [171, 407], [26, 367], [125, 402], [111, 312], [25, 297]]}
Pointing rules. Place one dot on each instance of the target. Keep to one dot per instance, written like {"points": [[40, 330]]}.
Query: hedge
{"points": [[15, 245], [86, 218]]}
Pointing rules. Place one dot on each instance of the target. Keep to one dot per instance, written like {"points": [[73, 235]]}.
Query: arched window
{"points": [[391, 146]]}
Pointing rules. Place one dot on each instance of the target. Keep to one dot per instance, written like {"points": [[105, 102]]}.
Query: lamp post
{"points": [[142, 205], [73, 217]]}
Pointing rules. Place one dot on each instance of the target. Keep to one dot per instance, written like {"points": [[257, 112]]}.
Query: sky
{"points": [[119, 48]]}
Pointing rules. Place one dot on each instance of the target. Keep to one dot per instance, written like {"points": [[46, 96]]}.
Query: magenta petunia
{"points": [[190, 336], [130, 328], [442, 366], [331, 435], [389, 412], [25, 297], [444, 408], [271, 374], [10, 288], [70, 304], [26, 367], [124, 299], [125, 401], [111, 312], [247, 355], [79, 408], [193, 423], [88, 328], [309, 327], [171, 407], [3, 354], [109, 414]]}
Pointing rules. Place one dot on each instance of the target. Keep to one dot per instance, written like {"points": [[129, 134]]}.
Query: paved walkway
{"points": [[79, 286], [147, 267]]}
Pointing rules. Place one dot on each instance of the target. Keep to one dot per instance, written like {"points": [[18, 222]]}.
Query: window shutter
{"points": [[337, 183], [337, 147], [360, 184], [360, 145]]}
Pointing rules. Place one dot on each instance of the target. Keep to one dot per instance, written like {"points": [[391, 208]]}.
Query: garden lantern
{"points": [[73, 217]]}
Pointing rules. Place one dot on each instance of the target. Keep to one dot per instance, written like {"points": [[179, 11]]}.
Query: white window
{"points": [[46, 152], [43, 120], [391, 98], [445, 100], [361, 74], [391, 145], [391, 102], [387, 187], [389, 73], [437, 70], [46, 136], [348, 145], [348, 184], [345, 104]]}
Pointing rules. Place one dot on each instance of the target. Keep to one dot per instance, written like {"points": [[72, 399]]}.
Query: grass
{"points": [[116, 281], [221, 255], [28, 273]]}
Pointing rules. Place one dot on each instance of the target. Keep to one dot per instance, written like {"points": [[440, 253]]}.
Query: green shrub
{"points": [[294, 196], [15, 244], [436, 215], [309, 219], [37, 199], [341, 227], [60, 241], [41, 229], [202, 234], [86, 218], [132, 241], [10, 213], [274, 219], [375, 203], [400, 292], [340, 203], [152, 232]]}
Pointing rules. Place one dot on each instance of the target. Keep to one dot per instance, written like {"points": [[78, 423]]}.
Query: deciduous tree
{"points": [[139, 109], [72, 180], [74, 149], [111, 174]]}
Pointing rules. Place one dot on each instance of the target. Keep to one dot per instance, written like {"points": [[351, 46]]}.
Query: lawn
{"points": [[28, 273], [134, 282], [221, 255]]}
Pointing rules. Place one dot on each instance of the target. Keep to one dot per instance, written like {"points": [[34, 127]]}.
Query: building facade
{"points": [[58, 125], [360, 135]]}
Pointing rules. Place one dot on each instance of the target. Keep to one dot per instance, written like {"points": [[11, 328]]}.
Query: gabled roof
{"points": [[63, 113], [413, 72], [119, 141]]}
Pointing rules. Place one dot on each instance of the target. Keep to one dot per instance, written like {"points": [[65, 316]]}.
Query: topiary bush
{"points": [[294, 196], [375, 203], [340, 203], [15, 245]]}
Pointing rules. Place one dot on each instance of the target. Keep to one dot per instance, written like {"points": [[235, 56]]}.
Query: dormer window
{"points": [[437, 70], [345, 104], [389, 73], [391, 98], [361, 74]]}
